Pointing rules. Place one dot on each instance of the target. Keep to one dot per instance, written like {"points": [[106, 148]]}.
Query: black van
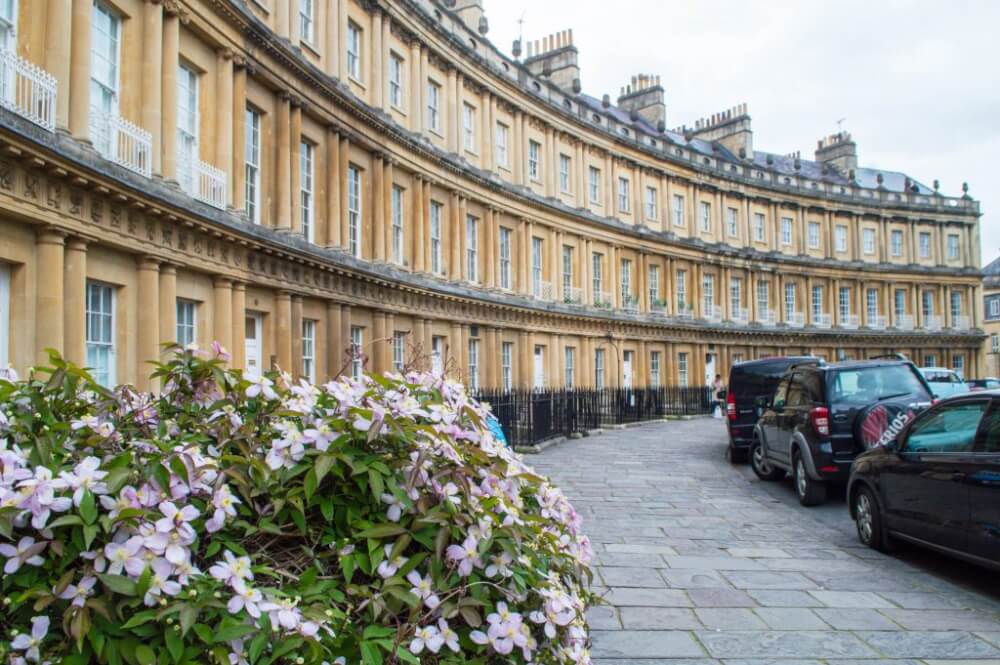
{"points": [[751, 385]]}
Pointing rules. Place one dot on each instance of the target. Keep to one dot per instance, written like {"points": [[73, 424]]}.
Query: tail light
{"points": [[731, 405], [820, 418]]}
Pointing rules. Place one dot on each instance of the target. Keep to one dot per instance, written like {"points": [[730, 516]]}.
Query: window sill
{"points": [[398, 109], [312, 48], [357, 82], [259, 4], [436, 131]]}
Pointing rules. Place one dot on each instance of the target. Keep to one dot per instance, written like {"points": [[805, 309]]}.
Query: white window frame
{"points": [[536, 267], [473, 365], [354, 50], [899, 303], [995, 343], [595, 184], [469, 127], [434, 106], [896, 242], [813, 229], [187, 322], [505, 238], [681, 289], [397, 225], [651, 194], [597, 273], [104, 94], [790, 297], [682, 369], [437, 355], [871, 304], [8, 31], [840, 238], [654, 369], [251, 164], [763, 296], [357, 351], [844, 298], [309, 350], [759, 233], [786, 230], [4, 315], [107, 376], [733, 222], [307, 177], [678, 210], [995, 307], [868, 240], [654, 284], [307, 21], [625, 278], [567, 270], [623, 194], [503, 157], [569, 379], [817, 301], [354, 220], [398, 350], [924, 243], [954, 246], [188, 125], [472, 248], [958, 365], [599, 368], [956, 303], [735, 293], [564, 169], [437, 267], [506, 367], [708, 291], [705, 215], [534, 149], [396, 69]]}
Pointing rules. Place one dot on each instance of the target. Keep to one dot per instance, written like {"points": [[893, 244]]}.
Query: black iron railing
{"points": [[532, 416]]}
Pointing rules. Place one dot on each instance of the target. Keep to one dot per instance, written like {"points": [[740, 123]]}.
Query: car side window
{"points": [[812, 388], [991, 431], [795, 395], [780, 394], [947, 429]]}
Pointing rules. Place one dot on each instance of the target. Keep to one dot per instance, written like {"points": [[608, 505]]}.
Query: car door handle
{"points": [[958, 477]]}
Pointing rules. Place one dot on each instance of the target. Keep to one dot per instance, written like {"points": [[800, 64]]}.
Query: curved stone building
{"points": [[295, 178]]}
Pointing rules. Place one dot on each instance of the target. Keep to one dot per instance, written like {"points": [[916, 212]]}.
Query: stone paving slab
{"points": [[703, 564]]}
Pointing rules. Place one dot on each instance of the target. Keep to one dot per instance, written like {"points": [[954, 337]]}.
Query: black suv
{"points": [[822, 416], [750, 387]]}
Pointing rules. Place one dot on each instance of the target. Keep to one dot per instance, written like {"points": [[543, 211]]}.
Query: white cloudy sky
{"points": [[918, 81]]}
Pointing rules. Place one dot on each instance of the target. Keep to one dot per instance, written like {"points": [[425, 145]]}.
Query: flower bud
{"points": [[217, 595], [300, 660], [170, 621]]}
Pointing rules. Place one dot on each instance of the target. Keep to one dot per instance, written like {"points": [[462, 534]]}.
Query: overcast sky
{"points": [[918, 81]]}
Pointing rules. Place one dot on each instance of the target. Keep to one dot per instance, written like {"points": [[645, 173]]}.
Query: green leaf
{"points": [[323, 465], [187, 617], [89, 533], [375, 479], [310, 483], [257, 646], [145, 655], [119, 584], [234, 632], [116, 479], [88, 508], [65, 520], [175, 644], [382, 531], [370, 655], [140, 618]]}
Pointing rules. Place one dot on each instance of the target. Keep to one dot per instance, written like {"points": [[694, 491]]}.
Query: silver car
{"points": [[944, 382]]}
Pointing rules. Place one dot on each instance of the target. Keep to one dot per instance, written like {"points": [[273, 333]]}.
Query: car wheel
{"points": [[811, 492], [760, 465], [868, 519]]}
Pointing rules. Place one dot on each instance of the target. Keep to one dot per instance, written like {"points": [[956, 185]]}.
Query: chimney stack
{"points": [[472, 14], [731, 128], [838, 151], [555, 58], [644, 96]]}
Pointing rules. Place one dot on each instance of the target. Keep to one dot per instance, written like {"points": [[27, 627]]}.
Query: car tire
{"points": [[735, 455], [810, 492], [868, 520], [760, 465]]}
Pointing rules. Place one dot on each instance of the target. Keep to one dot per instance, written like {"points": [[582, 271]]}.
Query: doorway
{"points": [[254, 344]]}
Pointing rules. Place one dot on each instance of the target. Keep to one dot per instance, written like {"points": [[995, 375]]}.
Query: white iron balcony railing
{"points": [[659, 307], [740, 315], [543, 291], [205, 183], [685, 312], [960, 322], [630, 303], [876, 322], [904, 322], [122, 142], [766, 317], [572, 295], [849, 321], [27, 90], [602, 299], [711, 313], [795, 319], [822, 320], [932, 322]]}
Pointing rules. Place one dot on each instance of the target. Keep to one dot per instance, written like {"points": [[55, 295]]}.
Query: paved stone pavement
{"points": [[703, 564]]}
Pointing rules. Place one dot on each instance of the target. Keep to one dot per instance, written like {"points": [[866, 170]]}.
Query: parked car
{"points": [[749, 391], [936, 484], [989, 383], [822, 416], [944, 382]]}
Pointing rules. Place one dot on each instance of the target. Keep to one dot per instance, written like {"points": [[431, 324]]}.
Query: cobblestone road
{"points": [[705, 565]]}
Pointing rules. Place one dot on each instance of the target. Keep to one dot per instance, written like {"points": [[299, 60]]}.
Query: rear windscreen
{"points": [[757, 382], [865, 385]]}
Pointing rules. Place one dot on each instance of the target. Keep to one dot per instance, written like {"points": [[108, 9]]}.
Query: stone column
{"points": [[283, 331], [283, 167], [168, 92], [79, 73], [387, 178], [295, 164], [75, 301], [294, 27], [296, 335], [423, 241], [148, 337], [523, 359], [225, 120], [586, 280], [280, 8], [454, 111], [379, 344], [336, 24], [345, 161], [461, 237], [416, 89], [378, 207], [223, 311], [237, 195], [50, 246], [375, 56], [152, 74], [345, 337], [488, 360], [418, 236], [168, 304], [454, 359], [333, 185], [239, 317], [58, 26], [334, 343], [454, 262]]}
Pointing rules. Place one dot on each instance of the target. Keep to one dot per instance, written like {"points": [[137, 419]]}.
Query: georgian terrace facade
{"points": [[297, 179]]}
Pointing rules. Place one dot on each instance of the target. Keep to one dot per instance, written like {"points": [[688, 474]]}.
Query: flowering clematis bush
{"points": [[243, 520]]}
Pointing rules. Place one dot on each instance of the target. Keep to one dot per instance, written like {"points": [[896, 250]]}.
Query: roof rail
{"points": [[890, 356], [818, 362]]}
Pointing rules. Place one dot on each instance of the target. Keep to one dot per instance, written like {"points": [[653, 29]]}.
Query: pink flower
{"points": [[427, 636], [85, 476], [161, 583], [78, 594], [282, 612], [225, 506], [396, 507], [38, 496], [126, 556], [30, 644], [246, 598], [260, 385], [232, 569], [27, 551], [448, 636], [389, 567], [466, 555], [220, 352], [320, 436], [423, 588]]}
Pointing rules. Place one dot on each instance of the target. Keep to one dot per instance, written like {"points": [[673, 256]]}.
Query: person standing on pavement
{"points": [[719, 395]]}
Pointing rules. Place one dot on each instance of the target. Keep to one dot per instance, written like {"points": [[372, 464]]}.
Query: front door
{"points": [[4, 315], [984, 490], [437, 355], [927, 492], [709, 369], [539, 367], [254, 342], [627, 360]]}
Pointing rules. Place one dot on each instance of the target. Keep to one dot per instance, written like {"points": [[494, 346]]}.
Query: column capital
{"points": [[284, 295], [50, 235], [147, 262], [239, 285], [167, 268], [296, 298], [226, 53], [222, 282], [78, 243]]}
